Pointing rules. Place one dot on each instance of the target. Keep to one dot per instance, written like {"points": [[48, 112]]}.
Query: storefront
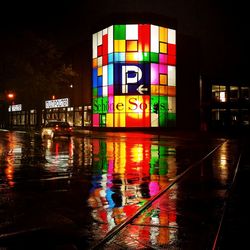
{"points": [[59, 109]]}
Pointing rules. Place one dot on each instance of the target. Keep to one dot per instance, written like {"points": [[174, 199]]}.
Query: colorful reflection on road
{"points": [[126, 173]]}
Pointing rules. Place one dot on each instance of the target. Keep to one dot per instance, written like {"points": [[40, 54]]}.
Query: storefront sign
{"points": [[16, 107], [57, 103]]}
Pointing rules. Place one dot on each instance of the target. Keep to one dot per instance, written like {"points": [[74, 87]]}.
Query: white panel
{"points": [[154, 38], [110, 39], [154, 120], [171, 36], [99, 61], [105, 91], [171, 76], [105, 75], [105, 32], [99, 38], [171, 104], [94, 46], [132, 32]]}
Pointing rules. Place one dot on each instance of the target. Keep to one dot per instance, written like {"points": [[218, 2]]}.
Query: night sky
{"points": [[220, 26]]}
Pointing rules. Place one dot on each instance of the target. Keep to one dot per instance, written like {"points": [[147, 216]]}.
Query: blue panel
{"points": [[94, 75], [100, 91], [99, 81]]}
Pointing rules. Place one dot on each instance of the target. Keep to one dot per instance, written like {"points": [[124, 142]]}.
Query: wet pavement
{"points": [[74, 194]]}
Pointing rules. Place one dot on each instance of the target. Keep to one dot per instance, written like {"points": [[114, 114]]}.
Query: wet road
{"points": [[69, 194]]}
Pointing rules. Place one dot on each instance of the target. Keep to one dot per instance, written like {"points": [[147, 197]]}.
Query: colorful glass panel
{"points": [[134, 76]]}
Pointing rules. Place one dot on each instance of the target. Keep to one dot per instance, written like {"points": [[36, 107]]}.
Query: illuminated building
{"points": [[134, 76]]}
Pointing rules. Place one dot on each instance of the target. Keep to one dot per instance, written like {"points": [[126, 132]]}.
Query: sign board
{"points": [[57, 103]]}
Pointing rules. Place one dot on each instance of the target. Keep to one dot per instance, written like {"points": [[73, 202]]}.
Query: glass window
{"points": [[218, 93], [234, 93], [245, 93]]}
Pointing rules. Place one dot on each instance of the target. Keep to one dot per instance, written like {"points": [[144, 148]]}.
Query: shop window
{"points": [[219, 117], [234, 93], [219, 93], [245, 93], [234, 116]]}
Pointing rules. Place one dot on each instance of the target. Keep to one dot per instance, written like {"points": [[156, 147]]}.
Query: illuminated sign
{"points": [[57, 103], [134, 76], [16, 107]]}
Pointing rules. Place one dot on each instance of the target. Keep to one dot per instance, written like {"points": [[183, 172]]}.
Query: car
{"points": [[56, 128]]}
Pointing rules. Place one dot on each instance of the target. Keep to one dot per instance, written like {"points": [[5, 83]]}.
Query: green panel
{"points": [[119, 32], [171, 116], [94, 92], [154, 104], [99, 101], [145, 57], [154, 57], [102, 120], [95, 106], [163, 120], [105, 104], [171, 120], [163, 105]]}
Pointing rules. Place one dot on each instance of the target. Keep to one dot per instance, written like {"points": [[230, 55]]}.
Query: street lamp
{"points": [[11, 97]]}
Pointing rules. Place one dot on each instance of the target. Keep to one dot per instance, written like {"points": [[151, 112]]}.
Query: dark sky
{"points": [[221, 26]]}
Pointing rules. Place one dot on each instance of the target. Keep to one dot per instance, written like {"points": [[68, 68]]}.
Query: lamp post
{"points": [[11, 97]]}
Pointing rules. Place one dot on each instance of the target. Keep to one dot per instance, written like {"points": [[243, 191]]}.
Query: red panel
{"points": [[144, 37], [99, 50], [105, 44], [172, 49], [105, 60], [171, 60]]}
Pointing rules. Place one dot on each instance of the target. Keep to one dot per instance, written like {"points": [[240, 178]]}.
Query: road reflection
{"points": [[126, 173]]}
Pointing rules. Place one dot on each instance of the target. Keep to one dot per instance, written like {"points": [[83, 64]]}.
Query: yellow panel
{"points": [[132, 46], [99, 71], [120, 45], [163, 35], [119, 104], [163, 90], [132, 57], [95, 63], [163, 48], [154, 89], [120, 119], [163, 79], [109, 120]]}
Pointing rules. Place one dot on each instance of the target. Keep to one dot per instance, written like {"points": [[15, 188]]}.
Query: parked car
{"points": [[56, 128]]}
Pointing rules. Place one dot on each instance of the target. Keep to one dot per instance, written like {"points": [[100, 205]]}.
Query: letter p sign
{"points": [[131, 74]]}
